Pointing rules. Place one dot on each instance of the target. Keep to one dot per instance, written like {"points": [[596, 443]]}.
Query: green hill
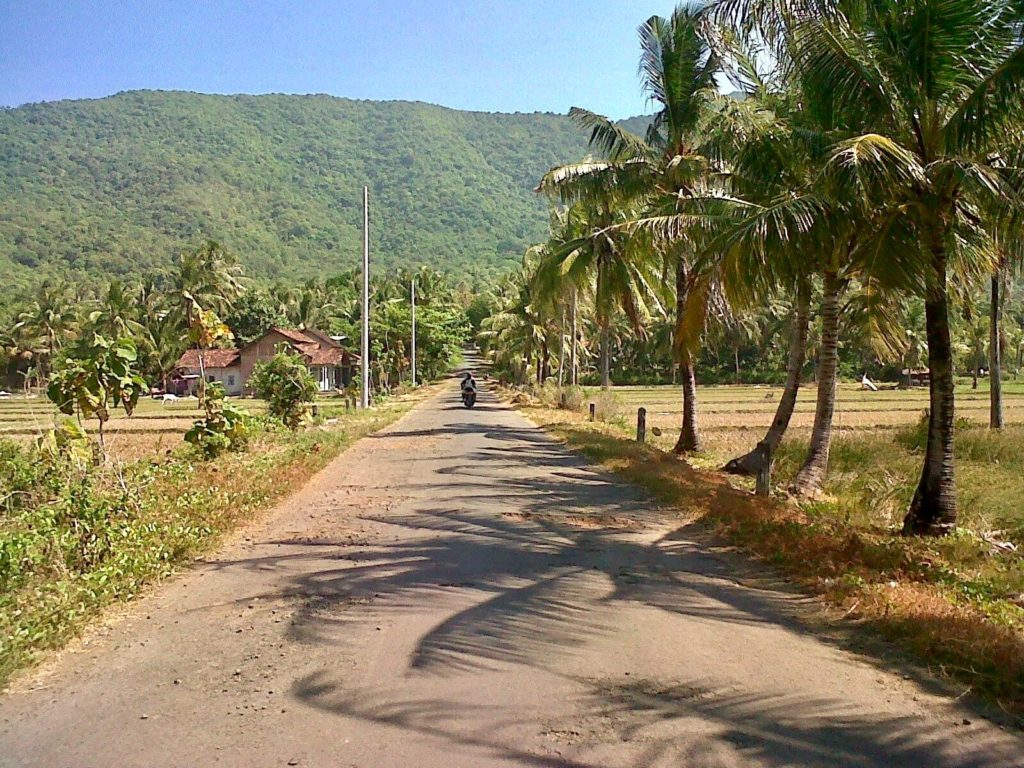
{"points": [[117, 185]]}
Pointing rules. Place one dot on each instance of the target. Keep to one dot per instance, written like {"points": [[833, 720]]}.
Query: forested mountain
{"points": [[118, 185]]}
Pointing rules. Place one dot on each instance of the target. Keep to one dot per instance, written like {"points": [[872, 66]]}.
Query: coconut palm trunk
{"points": [[689, 435], [995, 354], [749, 464], [606, 377], [933, 508], [561, 351], [811, 475]]}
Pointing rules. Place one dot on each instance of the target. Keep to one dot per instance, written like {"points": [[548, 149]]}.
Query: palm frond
{"points": [[613, 141]]}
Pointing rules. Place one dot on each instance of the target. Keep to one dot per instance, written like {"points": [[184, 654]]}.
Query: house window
{"points": [[210, 379], [231, 380]]}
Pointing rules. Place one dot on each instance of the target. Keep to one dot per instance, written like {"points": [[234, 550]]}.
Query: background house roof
{"points": [[299, 337], [212, 358], [326, 356]]}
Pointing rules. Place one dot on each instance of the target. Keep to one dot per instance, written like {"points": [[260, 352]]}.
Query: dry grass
{"points": [[154, 428], [957, 603]]}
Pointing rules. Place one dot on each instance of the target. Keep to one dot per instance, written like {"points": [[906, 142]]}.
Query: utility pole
{"points": [[413, 354], [366, 298]]}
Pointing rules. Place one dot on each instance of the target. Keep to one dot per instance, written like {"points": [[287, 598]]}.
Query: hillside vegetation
{"points": [[118, 185]]}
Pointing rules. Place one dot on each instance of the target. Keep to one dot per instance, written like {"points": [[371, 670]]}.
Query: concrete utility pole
{"points": [[366, 298], [412, 356]]}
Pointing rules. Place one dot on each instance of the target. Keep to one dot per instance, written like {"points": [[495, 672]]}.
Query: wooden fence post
{"points": [[641, 425], [764, 468], [593, 411]]}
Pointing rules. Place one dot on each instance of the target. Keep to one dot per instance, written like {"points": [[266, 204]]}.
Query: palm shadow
{"points": [[534, 554]]}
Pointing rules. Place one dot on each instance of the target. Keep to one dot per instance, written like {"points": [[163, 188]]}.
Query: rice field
{"points": [[153, 428], [732, 418]]}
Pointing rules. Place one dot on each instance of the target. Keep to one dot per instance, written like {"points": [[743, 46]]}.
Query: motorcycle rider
{"points": [[468, 383]]}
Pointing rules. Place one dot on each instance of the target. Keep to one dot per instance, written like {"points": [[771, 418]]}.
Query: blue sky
{"points": [[492, 55]]}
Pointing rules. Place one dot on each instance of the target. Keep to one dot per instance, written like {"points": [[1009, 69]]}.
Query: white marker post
{"points": [[412, 356], [366, 298]]}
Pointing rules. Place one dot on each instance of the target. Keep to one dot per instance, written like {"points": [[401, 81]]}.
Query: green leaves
{"points": [[225, 427], [95, 378], [285, 383]]}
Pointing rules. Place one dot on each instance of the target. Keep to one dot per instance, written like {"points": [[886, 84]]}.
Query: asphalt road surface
{"points": [[460, 591]]}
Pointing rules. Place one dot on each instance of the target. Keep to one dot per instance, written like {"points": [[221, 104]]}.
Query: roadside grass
{"points": [[956, 603], [130, 525]]}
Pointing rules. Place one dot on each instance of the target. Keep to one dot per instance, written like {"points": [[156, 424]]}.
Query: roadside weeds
{"points": [[181, 507]]}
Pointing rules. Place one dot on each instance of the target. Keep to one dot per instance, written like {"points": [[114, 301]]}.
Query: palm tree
{"points": [[207, 278], [677, 68], [311, 306], [593, 252], [514, 334], [995, 349], [930, 93], [117, 311], [51, 320]]}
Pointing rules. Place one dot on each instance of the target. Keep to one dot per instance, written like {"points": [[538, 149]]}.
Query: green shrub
{"points": [[19, 475], [97, 377], [608, 407], [551, 395], [915, 438], [224, 428], [286, 384]]}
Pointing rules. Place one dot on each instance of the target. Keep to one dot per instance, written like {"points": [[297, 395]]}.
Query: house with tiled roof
{"points": [[329, 362], [221, 365]]}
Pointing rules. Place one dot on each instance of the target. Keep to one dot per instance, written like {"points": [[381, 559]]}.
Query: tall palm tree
{"points": [[311, 306], [593, 252], [767, 242], [515, 333], [207, 278], [677, 69], [117, 311], [47, 324], [930, 92]]}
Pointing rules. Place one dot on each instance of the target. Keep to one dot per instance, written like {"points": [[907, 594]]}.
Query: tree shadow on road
{"points": [[534, 555]]}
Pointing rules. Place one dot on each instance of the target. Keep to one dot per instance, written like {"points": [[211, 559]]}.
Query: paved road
{"points": [[445, 594]]}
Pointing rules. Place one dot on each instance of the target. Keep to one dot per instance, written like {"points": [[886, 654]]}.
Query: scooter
{"points": [[469, 397]]}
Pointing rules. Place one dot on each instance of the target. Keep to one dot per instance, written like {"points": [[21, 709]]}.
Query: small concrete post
{"points": [[593, 411], [641, 425], [764, 468]]}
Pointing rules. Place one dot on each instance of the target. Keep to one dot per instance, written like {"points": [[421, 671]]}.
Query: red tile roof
{"points": [[212, 358], [299, 337], [324, 338], [326, 356]]}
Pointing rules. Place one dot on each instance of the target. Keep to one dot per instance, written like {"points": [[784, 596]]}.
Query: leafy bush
{"points": [[915, 438], [19, 475], [68, 443], [97, 377], [224, 428], [287, 386]]}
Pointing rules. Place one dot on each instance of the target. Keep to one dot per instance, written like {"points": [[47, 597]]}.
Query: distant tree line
{"points": [[158, 313]]}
